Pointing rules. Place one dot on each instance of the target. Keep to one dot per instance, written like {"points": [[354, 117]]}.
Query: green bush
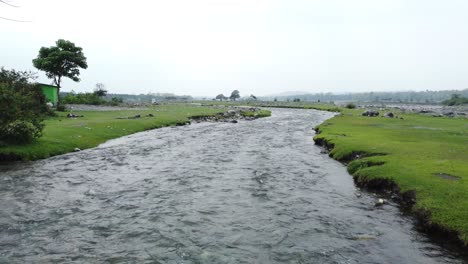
{"points": [[21, 132], [61, 108], [82, 98], [22, 107], [456, 100], [350, 105]]}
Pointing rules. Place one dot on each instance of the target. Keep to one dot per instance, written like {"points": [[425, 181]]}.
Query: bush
{"points": [[82, 98], [115, 101], [456, 100], [350, 106], [21, 132], [22, 107], [61, 108]]}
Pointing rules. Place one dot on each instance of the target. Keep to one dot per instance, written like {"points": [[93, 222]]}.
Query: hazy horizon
{"points": [[262, 47]]}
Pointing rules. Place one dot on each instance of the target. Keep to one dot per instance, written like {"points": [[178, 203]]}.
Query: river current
{"points": [[253, 192]]}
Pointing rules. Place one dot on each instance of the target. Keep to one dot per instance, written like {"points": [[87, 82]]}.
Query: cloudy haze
{"points": [[260, 47]]}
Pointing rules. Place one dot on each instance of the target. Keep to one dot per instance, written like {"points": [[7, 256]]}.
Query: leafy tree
{"points": [[100, 90], [253, 97], [63, 60], [234, 95], [221, 97]]}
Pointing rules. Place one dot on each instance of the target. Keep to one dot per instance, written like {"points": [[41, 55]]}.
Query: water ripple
{"points": [[252, 192]]}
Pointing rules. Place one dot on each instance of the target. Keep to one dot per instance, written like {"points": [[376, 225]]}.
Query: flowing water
{"points": [[253, 192]]}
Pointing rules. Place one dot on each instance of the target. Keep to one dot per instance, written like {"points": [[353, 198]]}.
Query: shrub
{"points": [[22, 107], [83, 98], [61, 108], [21, 132], [350, 105], [456, 100], [115, 101]]}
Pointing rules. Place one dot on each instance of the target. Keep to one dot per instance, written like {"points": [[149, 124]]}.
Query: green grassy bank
{"points": [[62, 135], [424, 156]]}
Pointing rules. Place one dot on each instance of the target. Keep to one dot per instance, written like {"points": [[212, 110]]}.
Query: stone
{"points": [[370, 113], [380, 202]]}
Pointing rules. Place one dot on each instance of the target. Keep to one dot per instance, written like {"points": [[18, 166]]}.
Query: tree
{"points": [[253, 97], [100, 90], [221, 97], [63, 60], [234, 95]]}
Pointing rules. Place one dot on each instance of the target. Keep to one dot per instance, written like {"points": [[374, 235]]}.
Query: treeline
{"points": [[388, 97], [456, 100], [115, 99], [151, 97], [95, 98]]}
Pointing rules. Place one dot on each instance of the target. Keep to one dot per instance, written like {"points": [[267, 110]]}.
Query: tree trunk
{"points": [[57, 82]]}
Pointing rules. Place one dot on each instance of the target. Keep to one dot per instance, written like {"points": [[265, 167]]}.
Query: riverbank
{"points": [[88, 129], [423, 160]]}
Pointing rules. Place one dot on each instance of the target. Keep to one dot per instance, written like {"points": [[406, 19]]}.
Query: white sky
{"points": [[207, 47]]}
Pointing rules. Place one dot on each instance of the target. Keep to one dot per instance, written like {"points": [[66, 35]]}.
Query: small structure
{"points": [[50, 92]]}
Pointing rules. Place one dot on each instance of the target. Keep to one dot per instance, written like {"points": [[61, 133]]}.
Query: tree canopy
{"points": [[100, 90], [63, 60], [235, 95], [221, 97]]}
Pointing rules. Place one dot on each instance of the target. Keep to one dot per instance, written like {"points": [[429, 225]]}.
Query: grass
{"points": [[261, 113], [278, 104], [426, 154], [62, 135]]}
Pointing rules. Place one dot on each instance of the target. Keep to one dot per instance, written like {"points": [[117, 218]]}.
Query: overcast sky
{"points": [[207, 47]]}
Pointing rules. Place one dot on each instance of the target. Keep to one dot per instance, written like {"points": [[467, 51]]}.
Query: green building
{"points": [[50, 92]]}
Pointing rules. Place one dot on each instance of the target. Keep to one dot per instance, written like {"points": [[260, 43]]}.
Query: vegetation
{"points": [[221, 97], [234, 95], [261, 113], [142, 98], [384, 97], [420, 153], [83, 98], [63, 135], [278, 104], [63, 60], [98, 97], [456, 100], [22, 108], [350, 105]]}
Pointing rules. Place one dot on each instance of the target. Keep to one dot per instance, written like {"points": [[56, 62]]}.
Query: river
{"points": [[252, 192]]}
